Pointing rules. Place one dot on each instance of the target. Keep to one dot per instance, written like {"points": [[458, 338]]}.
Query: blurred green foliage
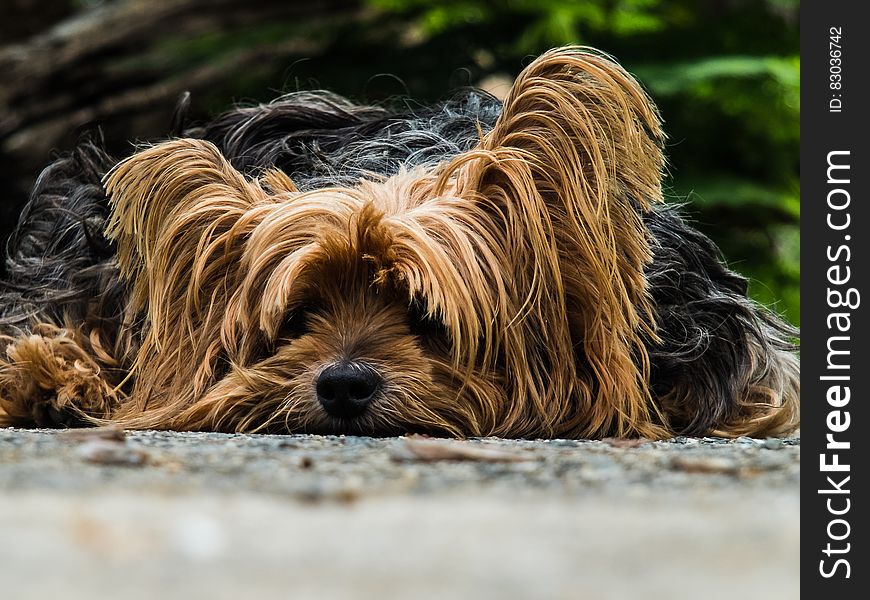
{"points": [[726, 76]]}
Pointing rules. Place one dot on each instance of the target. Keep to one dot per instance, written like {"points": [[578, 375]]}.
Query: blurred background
{"points": [[725, 74]]}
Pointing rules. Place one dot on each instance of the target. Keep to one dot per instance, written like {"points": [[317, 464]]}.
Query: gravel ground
{"points": [[193, 515]]}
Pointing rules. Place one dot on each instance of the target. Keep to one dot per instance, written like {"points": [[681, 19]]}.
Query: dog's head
{"points": [[499, 292]]}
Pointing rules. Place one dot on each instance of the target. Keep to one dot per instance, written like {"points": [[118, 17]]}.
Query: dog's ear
{"points": [[164, 197], [573, 160], [178, 218]]}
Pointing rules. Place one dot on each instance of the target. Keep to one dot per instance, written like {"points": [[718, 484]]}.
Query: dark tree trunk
{"points": [[122, 66]]}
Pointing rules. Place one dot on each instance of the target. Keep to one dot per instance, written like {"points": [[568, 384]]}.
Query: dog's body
{"points": [[317, 266]]}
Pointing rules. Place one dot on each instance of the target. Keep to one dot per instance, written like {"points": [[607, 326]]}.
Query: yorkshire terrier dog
{"points": [[314, 265]]}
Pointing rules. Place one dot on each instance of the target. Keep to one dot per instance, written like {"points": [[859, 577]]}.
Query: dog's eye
{"points": [[420, 322], [418, 309], [295, 323]]}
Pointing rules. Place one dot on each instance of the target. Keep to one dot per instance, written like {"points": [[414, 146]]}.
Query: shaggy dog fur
{"points": [[468, 269]]}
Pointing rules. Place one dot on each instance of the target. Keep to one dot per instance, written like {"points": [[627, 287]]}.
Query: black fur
{"points": [[706, 323], [321, 139], [59, 262]]}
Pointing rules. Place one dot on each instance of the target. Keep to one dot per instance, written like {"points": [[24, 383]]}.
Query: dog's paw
{"points": [[48, 380]]}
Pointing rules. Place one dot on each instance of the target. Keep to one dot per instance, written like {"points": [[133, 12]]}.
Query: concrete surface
{"points": [[170, 515]]}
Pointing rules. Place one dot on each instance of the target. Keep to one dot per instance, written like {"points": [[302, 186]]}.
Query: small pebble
{"points": [[103, 452], [747, 441]]}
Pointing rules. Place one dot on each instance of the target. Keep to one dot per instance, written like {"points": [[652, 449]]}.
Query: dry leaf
{"points": [[109, 433], [705, 465], [625, 442], [414, 448]]}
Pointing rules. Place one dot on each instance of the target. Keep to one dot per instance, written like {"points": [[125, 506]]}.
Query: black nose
{"points": [[345, 389]]}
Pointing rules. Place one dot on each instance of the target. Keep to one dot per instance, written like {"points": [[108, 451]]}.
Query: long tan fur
{"points": [[525, 256]]}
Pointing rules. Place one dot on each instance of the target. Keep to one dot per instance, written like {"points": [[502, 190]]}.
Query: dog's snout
{"points": [[344, 390]]}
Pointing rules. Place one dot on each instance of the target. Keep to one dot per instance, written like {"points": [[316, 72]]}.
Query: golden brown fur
{"points": [[522, 261]]}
